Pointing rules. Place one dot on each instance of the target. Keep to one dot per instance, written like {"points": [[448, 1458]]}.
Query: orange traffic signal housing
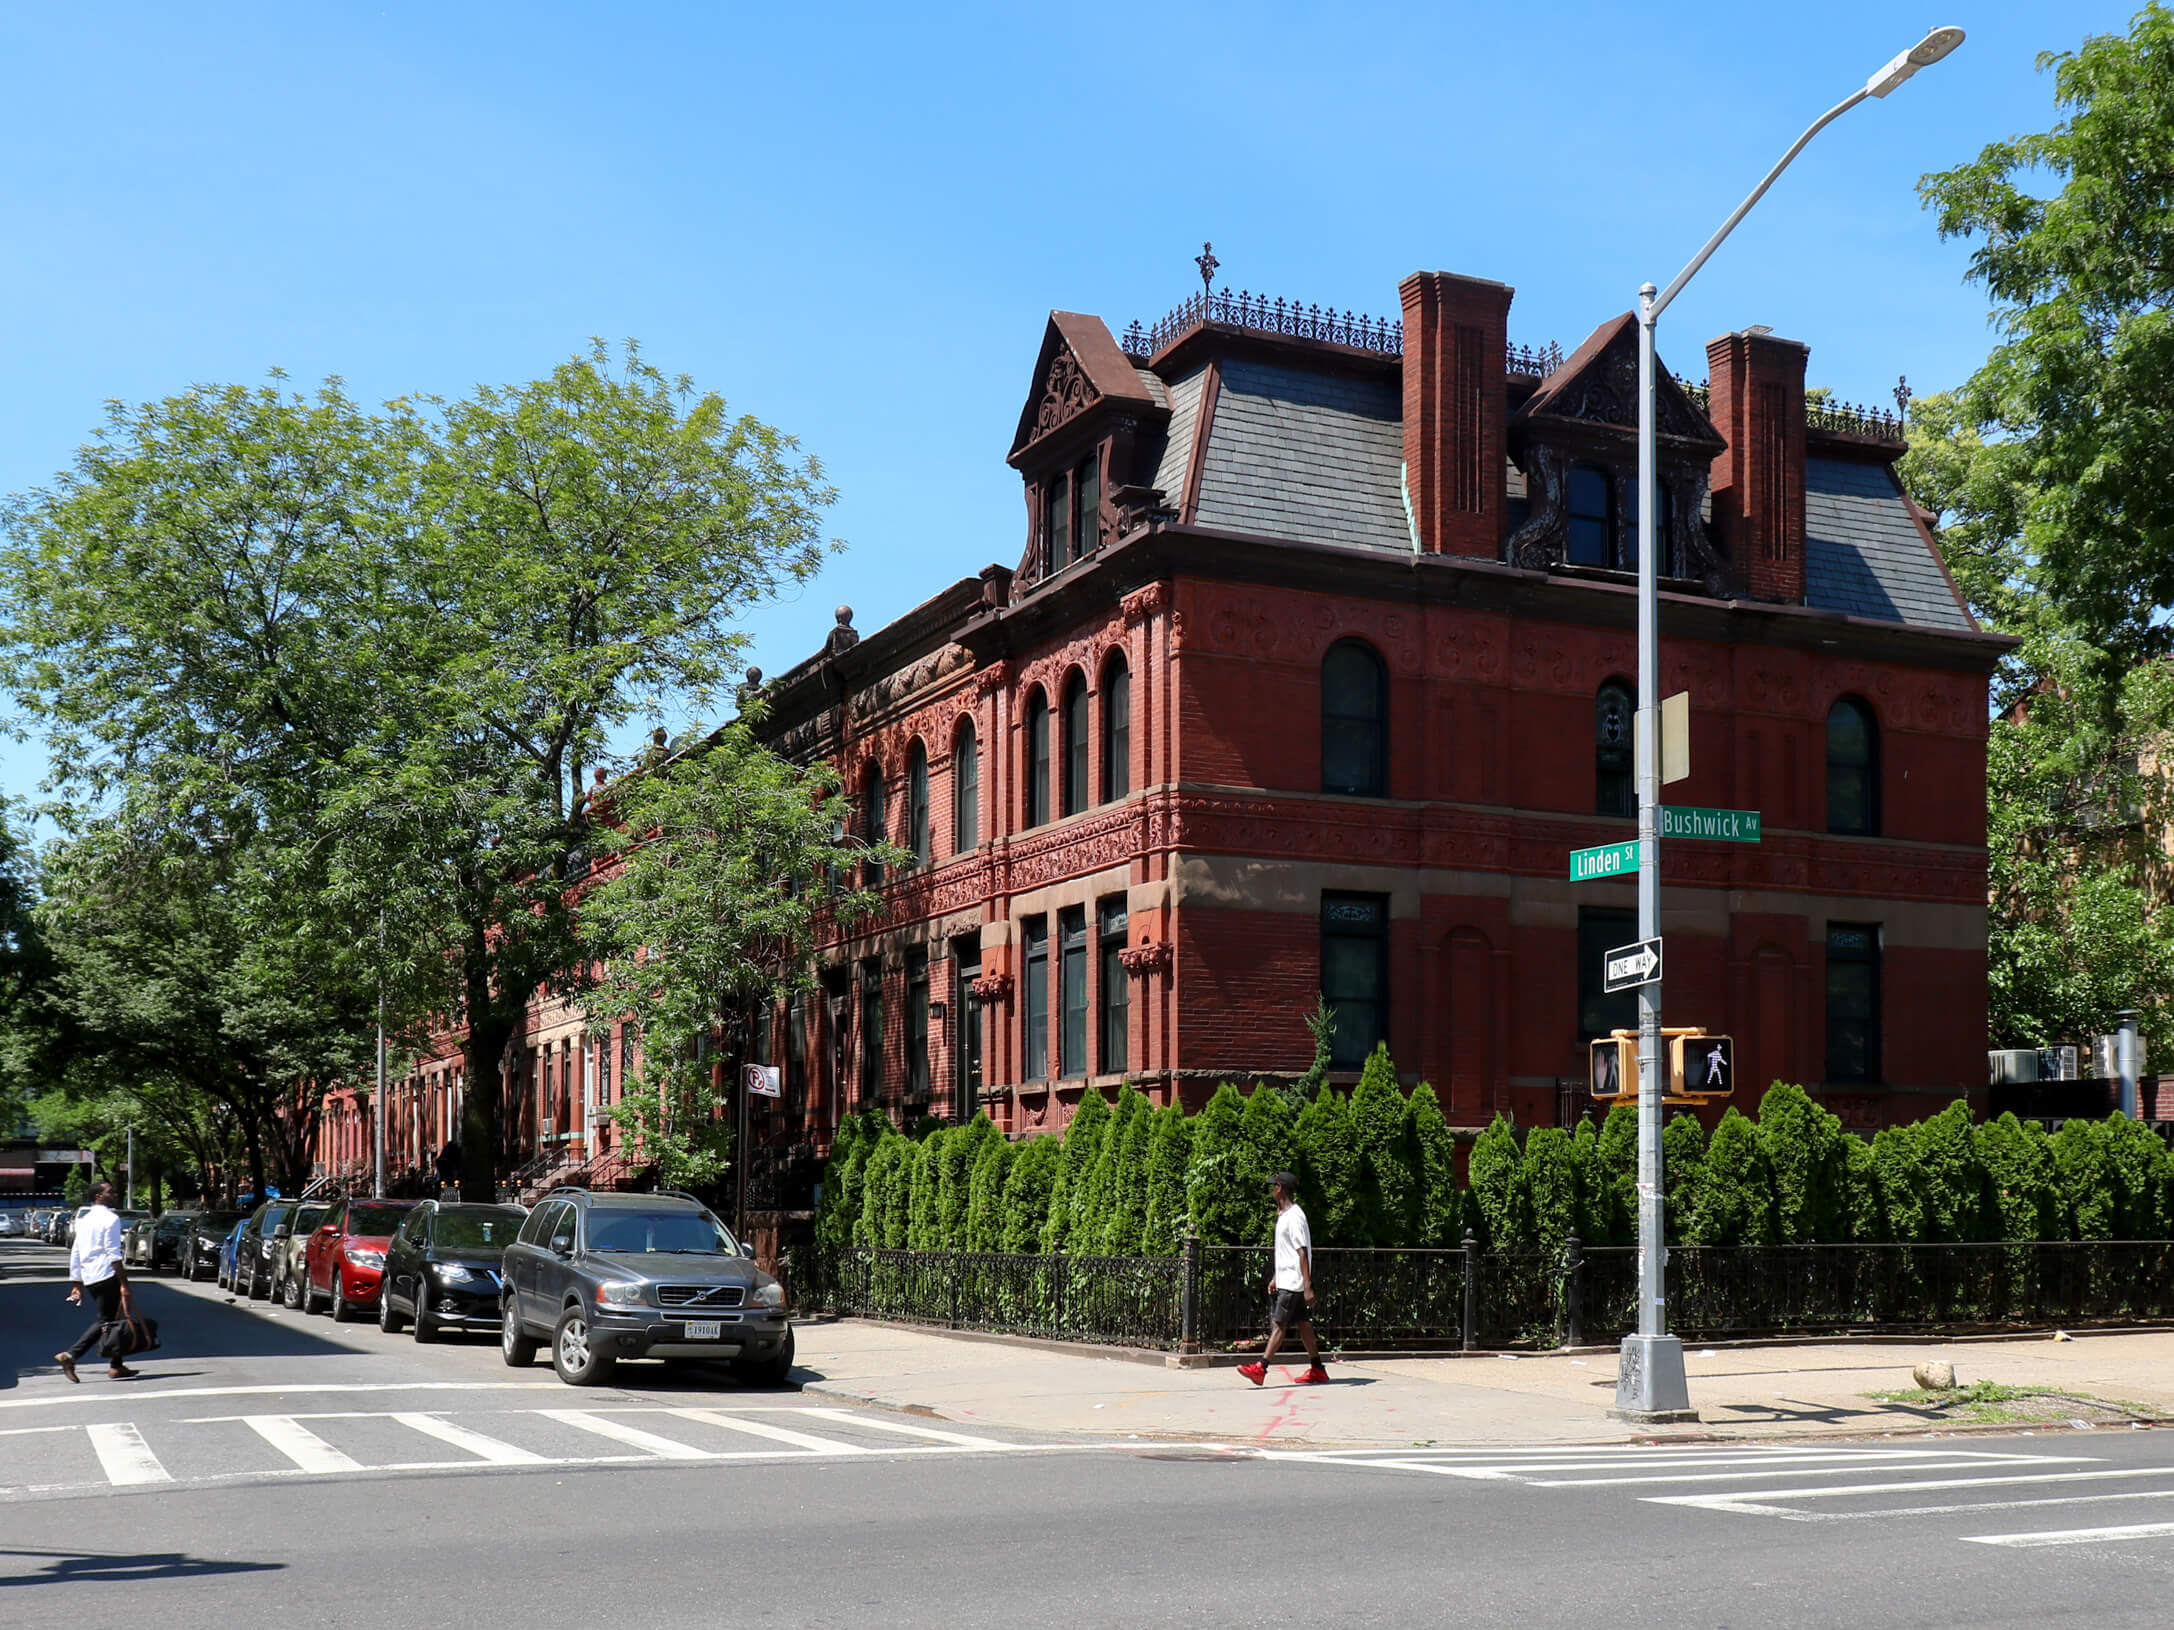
{"points": [[1700, 1066]]}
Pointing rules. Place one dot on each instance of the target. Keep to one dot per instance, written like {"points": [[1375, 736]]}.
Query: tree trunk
{"points": [[489, 1030]]}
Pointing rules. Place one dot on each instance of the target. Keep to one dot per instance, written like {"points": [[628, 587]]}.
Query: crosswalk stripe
{"points": [[2075, 1536], [1747, 1502], [491, 1450], [932, 1434], [619, 1432], [125, 1456], [776, 1434], [1747, 1475], [299, 1444]]}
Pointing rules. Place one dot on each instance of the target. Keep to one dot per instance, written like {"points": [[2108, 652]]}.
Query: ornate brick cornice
{"points": [[992, 987], [1142, 960], [992, 678], [1144, 603]]}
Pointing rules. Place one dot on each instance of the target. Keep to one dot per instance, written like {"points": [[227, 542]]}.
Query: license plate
{"points": [[704, 1329]]}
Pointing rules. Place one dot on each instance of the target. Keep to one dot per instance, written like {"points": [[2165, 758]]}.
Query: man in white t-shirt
{"points": [[1290, 1288]]}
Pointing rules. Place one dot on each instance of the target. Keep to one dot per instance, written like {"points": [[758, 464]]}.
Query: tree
{"points": [[924, 1224], [1549, 1175], [1068, 1199], [1440, 1207], [1027, 1193], [2084, 1175], [1954, 1180], [1097, 1217], [2021, 1201], [1496, 1176], [985, 1200], [1169, 1156], [1899, 1173], [1385, 1169], [1269, 1135], [1220, 1190], [1330, 1184], [716, 879], [1683, 1153], [1123, 1197], [1733, 1203], [1802, 1146]]}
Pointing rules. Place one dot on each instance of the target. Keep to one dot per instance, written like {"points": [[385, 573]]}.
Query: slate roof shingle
{"points": [[1305, 456], [1863, 553]]}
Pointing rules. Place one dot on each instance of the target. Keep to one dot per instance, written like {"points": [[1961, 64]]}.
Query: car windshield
{"points": [[373, 1221], [218, 1219], [273, 1217], [173, 1223], [644, 1232], [473, 1231], [309, 1217]]}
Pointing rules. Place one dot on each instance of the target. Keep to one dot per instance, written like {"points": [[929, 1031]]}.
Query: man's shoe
{"points": [[121, 1372], [1255, 1373], [66, 1361], [1313, 1377]]}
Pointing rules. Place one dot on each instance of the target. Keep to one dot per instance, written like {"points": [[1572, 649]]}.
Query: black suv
{"points": [[611, 1276]]}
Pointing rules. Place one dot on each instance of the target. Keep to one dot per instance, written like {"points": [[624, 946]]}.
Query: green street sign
{"points": [[1717, 825], [1609, 860]]}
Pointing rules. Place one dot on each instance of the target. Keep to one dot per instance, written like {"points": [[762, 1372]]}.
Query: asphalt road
{"points": [[269, 1467]]}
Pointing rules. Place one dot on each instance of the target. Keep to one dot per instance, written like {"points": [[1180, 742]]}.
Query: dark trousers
{"points": [[107, 1294]]}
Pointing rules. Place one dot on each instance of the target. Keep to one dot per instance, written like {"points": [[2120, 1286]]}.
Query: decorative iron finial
{"points": [[1207, 263], [1903, 394]]}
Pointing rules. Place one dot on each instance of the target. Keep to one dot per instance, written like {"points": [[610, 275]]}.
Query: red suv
{"points": [[346, 1256]]}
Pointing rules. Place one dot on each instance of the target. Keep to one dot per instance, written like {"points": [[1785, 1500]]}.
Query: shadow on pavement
{"points": [[37, 1321], [81, 1567]]}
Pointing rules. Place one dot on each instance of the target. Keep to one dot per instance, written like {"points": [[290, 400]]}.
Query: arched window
{"points": [[1853, 768], [1075, 743], [1614, 790], [965, 789], [917, 804], [1116, 729], [1354, 721], [872, 821], [1037, 760], [1592, 516]]}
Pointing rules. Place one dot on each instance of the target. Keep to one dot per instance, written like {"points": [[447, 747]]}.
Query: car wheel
{"points": [[515, 1347], [341, 1312], [311, 1301], [579, 1364], [291, 1292], [387, 1320], [426, 1328], [768, 1372], [188, 1265], [247, 1289]]}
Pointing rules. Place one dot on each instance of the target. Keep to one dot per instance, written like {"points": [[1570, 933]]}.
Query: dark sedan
{"points": [[259, 1247], [200, 1249], [441, 1268], [156, 1242]]}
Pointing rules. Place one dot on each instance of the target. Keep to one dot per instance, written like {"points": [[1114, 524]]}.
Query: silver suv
{"points": [[603, 1277]]}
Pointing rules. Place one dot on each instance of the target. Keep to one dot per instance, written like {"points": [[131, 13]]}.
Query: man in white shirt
{"points": [[1290, 1287], [95, 1265]]}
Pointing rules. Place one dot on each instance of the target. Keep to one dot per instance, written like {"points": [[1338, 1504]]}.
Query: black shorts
{"points": [[1290, 1308]]}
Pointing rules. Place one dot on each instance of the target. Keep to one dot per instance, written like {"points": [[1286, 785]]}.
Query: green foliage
{"points": [[1269, 1134], [1027, 1193], [844, 1183], [1069, 1200], [924, 1217], [1954, 1180], [1388, 1186], [1615, 1172], [1434, 1152], [1321, 1025], [2083, 1173], [1733, 1202], [1899, 1173], [1220, 1189], [1169, 1157], [985, 1213], [2022, 1200], [886, 1200], [2138, 1163], [955, 1163], [1330, 1186], [1121, 1175], [1802, 1147], [1595, 1198], [1495, 1178], [1550, 1176], [75, 1188]]}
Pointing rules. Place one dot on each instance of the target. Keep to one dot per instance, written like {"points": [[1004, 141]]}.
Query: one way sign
{"points": [[1632, 965]]}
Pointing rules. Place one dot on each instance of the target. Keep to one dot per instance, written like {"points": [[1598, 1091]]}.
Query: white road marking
{"points": [[2075, 1536], [1741, 1474], [308, 1451], [619, 1432], [776, 1434], [929, 1432], [125, 1456], [1760, 1507], [80, 1397], [491, 1450]]}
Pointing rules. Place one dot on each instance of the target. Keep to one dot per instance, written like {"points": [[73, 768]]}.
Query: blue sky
{"points": [[853, 220]]}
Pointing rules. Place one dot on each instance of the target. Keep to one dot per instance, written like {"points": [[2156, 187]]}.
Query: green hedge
{"points": [[1376, 1167]]}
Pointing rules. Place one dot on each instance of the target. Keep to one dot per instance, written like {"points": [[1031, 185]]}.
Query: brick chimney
{"points": [[1455, 331], [1757, 384]]}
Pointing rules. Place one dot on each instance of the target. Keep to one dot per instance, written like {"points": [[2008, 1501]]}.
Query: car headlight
{"points": [[620, 1293], [362, 1258], [453, 1273], [770, 1295]]}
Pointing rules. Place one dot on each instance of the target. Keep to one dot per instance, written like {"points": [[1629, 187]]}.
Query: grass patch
{"points": [[1990, 1403]]}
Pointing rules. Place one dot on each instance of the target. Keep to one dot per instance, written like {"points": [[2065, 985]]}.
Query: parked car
{"points": [[13, 1225], [609, 1276], [230, 1250], [206, 1238], [253, 1258], [291, 1240], [157, 1242], [442, 1268], [347, 1255]]}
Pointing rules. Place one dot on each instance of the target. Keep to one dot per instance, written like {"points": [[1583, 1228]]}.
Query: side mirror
{"points": [[747, 1250], [561, 1244]]}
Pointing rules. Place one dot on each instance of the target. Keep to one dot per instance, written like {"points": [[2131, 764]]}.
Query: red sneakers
{"points": [[1313, 1377], [1255, 1373]]}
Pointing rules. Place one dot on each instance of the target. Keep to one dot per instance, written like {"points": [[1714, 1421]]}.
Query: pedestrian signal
{"points": [[1701, 1066], [1613, 1070]]}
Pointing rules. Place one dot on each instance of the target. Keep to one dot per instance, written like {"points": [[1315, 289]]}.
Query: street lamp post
{"points": [[1650, 1384]]}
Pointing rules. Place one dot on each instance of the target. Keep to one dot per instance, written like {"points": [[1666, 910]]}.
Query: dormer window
{"points": [[1071, 514], [1592, 516]]}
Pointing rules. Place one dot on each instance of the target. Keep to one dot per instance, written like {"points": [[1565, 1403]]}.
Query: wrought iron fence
{"points": [[1853, 419], [1307, 322], [1216, 1298]]}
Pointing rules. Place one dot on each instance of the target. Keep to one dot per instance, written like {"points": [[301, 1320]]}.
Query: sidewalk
{"points": [[1740, 1392]]}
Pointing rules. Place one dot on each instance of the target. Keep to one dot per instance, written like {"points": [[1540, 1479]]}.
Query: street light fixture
{"points": [[1650, 1384]]}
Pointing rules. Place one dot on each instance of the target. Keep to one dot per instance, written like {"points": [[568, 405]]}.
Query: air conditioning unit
{"points": [[547, 1127], [2057, 1063], [2011, 1067], [2106, 1058]]}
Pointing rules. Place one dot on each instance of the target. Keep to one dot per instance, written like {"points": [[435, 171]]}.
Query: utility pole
{"points": [[130, 1202], [377, 1101], [1649, 1382]]}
